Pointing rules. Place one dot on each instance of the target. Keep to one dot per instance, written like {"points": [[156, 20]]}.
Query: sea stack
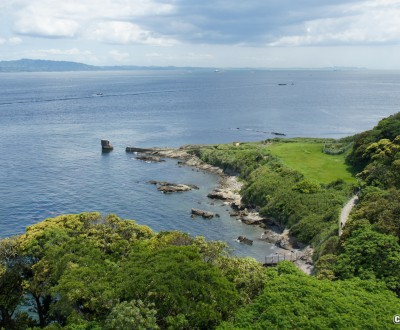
{"points": [[106, 146]]}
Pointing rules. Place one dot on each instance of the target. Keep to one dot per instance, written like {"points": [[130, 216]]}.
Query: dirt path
{"points": [[344, 215]]}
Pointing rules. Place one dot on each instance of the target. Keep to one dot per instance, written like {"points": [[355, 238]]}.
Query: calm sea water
{"points": [[51, 125]]}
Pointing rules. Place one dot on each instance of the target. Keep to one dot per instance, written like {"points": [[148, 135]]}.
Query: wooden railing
{"points": [[274, 259]]}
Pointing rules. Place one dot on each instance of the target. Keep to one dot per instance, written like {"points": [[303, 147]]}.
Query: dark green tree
{"points": [[180, 285], [292, 300]]}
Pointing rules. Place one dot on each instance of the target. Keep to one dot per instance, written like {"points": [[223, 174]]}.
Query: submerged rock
{"points": [[150, 159], [204, 214], [168, 187], [245, 240]]}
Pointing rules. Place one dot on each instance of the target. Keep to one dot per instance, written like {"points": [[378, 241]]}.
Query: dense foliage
{"points": [[370, 245], [293, 300], [387, 128], [88, 272]]}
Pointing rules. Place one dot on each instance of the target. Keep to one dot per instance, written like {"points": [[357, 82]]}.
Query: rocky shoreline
{"points": [[228, 193]]}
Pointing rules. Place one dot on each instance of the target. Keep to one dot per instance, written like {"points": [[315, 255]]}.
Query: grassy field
{"points": [[307, 157]]}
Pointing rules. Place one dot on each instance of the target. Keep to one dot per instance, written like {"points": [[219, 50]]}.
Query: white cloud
{"points": [[154, 54], [15, 40], [119, 56], [376, 21], [10, 41], [72, 51], [203, 33], [182, 57], [47, 27], [119, 32], [50, 18], [59, 53]]}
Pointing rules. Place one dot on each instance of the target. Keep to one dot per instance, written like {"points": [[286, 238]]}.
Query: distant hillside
{"points": [[27, 65]]}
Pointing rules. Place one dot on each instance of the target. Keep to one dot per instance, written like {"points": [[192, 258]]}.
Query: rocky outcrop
{"points": [[150, 159], [281, 239], [251, 218], [106, 146], [141, 150], [201, 213], [222, 194], [284, 243], [168, 187], [182, 153], [245, 240], [306, 255], [271, 236], [305, 261]]}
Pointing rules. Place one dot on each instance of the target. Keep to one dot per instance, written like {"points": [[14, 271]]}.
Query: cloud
{"points": [[10, 41], [72, 18], [281, 23], [363, 23], [56, 53], [72, 51], [221, 22], [119, 56], [119, 32], [47, 27], [251, 22]]}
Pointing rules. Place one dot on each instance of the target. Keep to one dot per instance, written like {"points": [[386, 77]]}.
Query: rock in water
{"points": [[168, 187], [245, 240], [204, 214], [150, 159], [106, 146]]}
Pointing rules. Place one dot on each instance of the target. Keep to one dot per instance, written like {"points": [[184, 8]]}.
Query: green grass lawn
{"points": [[308, 158]]}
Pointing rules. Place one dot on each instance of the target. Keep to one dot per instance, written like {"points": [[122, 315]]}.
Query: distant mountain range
{"points": [[28, 65]]}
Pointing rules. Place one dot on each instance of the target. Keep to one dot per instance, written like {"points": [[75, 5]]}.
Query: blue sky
{"points": [[221, 33]]}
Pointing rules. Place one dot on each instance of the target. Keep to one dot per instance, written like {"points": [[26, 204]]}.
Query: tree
{"points": [[134, 314], [292, 300], [180, 285], [11, 285], [370, 255], [86, 285], [383, 168]]}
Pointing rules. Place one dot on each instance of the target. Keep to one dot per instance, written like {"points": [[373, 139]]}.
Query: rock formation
{"points": [[106, 146], [150, 159], [168, 187], [245, 240], [204, 214]]}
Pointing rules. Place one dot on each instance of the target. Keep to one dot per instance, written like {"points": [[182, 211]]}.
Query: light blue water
{"points": [[51, 125]]}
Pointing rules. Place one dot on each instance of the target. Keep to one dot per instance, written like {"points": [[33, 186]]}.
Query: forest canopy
{"points": [[85, 271]]}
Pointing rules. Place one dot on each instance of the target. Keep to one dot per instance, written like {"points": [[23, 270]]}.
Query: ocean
{"points": [[51, 125]]}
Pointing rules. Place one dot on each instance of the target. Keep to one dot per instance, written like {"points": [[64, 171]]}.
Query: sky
{"points": [[203, 33]]}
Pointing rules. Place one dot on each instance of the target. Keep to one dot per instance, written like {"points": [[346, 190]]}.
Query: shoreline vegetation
{"points": [[87, 271], [244, 169], [228, 191]]}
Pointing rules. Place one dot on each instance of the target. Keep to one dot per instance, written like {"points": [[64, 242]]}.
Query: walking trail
{"points": [[344, 215]]}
